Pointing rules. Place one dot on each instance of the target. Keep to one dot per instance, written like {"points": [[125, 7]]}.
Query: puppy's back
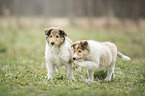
{"points": [[112, 47]]}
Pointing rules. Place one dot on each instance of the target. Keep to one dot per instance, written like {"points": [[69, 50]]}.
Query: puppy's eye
{"points": [[50, 36], [56, 36], [80, 51]]}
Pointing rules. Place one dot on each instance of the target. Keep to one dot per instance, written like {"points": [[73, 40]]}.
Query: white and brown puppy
{"points": [[97, 56], [58, 51]]}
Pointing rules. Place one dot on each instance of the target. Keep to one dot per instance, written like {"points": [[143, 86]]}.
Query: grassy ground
{"points": [[23, 71]]}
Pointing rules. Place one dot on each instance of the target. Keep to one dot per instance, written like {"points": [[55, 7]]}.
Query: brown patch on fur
{"points": [[75, 45], [55, 36], [81, 49]]}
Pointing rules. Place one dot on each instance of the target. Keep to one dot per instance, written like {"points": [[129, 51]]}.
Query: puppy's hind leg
{"points": [[110, 71]]}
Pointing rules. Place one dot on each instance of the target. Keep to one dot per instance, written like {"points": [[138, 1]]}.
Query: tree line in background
{"points": [[130, 9]]}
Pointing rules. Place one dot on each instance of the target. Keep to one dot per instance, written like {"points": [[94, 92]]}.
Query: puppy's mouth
{"points": [[52, 44]]}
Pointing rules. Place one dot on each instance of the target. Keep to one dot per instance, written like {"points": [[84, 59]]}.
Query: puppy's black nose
{"points": [[52, 43], [74, 58]]}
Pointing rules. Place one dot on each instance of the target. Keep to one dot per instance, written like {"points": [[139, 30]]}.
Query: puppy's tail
{"points": [[123, 57]]}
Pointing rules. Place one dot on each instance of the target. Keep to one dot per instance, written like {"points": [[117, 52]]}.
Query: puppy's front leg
{"points": [[90, 65], [91, 75], [50, 69]]}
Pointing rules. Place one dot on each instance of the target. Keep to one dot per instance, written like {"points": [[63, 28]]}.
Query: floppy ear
{"points": [[62, 32], [84, 43], [73, 45], [48, 31]]}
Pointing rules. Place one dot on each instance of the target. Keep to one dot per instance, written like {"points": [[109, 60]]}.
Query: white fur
{"points": [[126, 58], [58, 56], [102, 55]]}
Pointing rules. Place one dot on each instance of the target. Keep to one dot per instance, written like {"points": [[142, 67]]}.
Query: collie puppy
{"points": [[58, 51], [96, 56]]}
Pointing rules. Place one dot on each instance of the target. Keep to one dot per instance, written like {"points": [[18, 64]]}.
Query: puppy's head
{"points": [[55, 36], [81, 49]]}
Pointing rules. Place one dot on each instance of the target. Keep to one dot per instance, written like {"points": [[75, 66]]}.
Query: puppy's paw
{"points": [[107, 79], [75, 62], [74, 67], [49, 77]]}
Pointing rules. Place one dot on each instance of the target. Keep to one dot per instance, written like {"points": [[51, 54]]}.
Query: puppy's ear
{"points": [[62, 32], [48, 31], [73, 45], [84, 43]]}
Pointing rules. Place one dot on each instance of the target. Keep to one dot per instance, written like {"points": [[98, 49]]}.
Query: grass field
{"points": [[23, 71]]}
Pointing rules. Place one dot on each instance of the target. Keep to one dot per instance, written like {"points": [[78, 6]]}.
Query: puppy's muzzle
{"points": [[52, 43]]}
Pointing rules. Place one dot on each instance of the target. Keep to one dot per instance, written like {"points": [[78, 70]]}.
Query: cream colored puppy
{"points": [[96, 56]]}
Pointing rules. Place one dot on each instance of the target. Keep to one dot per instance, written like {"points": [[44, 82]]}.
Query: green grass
{"points": [[23, 71]]}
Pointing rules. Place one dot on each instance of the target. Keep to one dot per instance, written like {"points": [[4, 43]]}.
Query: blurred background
{"points": [[85, 13], [120, 21], [131, 9]]}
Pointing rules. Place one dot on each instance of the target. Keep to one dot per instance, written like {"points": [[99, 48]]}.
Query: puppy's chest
{"points": [[58, 57]]}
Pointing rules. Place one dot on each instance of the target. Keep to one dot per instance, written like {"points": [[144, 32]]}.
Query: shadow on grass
{"points": [[101, 75], [3, 48]]}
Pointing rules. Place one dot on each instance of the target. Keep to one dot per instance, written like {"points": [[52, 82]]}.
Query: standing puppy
{"points": [[97, 56], [58, 51]]}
